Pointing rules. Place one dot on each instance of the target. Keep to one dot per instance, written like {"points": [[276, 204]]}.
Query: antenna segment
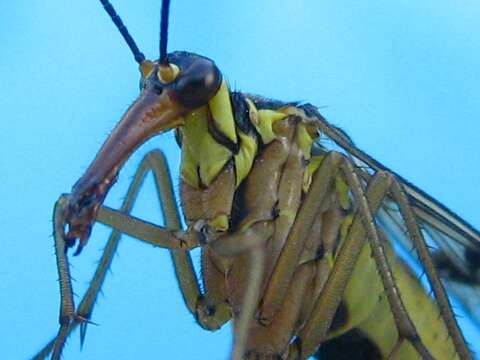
{"points": [[164, 31], [139, 57]]}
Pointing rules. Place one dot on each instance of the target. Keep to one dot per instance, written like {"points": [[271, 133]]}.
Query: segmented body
{"points": [[258, 169]]}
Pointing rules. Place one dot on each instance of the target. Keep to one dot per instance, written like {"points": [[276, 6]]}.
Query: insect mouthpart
{"points": [[170, 91]]}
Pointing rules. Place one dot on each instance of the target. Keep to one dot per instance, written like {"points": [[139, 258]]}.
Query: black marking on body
{"points": [[340, 318], [221, 138], [241, 113], [201, 185], [262, 102], [320, 252], [238, 207], [352, 345], [178, 137]]}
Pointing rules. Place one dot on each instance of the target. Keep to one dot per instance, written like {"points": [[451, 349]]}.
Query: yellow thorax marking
{"points": [[203, 157], [304, 141], [266, 119], [201, 151], [245, 157], [219, 223], [222, 115], [341, 186]]}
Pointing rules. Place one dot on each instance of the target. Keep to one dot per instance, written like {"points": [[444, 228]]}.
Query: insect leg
{"points": [[67, 306], [315, 330], [292, 250], [399, 195], [251, 242], [327, 303], [154, 161], [404, 324], [250, 302], [145, 231], [363, 227], [210, 312]]}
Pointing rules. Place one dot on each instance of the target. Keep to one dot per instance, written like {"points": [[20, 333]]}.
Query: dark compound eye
{"points": [[198, 81], [198, 84]]}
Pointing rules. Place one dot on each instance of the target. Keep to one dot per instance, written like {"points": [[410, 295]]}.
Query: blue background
{"points": [[401, 77]]}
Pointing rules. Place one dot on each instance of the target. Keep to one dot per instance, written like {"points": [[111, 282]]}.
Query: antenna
{"points": [[164, 31], [139, 57]]}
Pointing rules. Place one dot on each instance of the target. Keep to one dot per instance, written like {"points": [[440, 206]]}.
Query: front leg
{"points": [[120, 221], [145, 231], [250, 243]]}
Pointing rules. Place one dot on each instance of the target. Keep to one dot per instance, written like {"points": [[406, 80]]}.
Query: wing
{"points": [[454, 243]]}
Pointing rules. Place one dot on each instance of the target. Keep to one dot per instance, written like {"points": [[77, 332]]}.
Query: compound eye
{"points": [[198, 84]]}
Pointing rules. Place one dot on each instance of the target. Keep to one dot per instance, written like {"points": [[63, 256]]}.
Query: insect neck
{"points": [[232, 127]]}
